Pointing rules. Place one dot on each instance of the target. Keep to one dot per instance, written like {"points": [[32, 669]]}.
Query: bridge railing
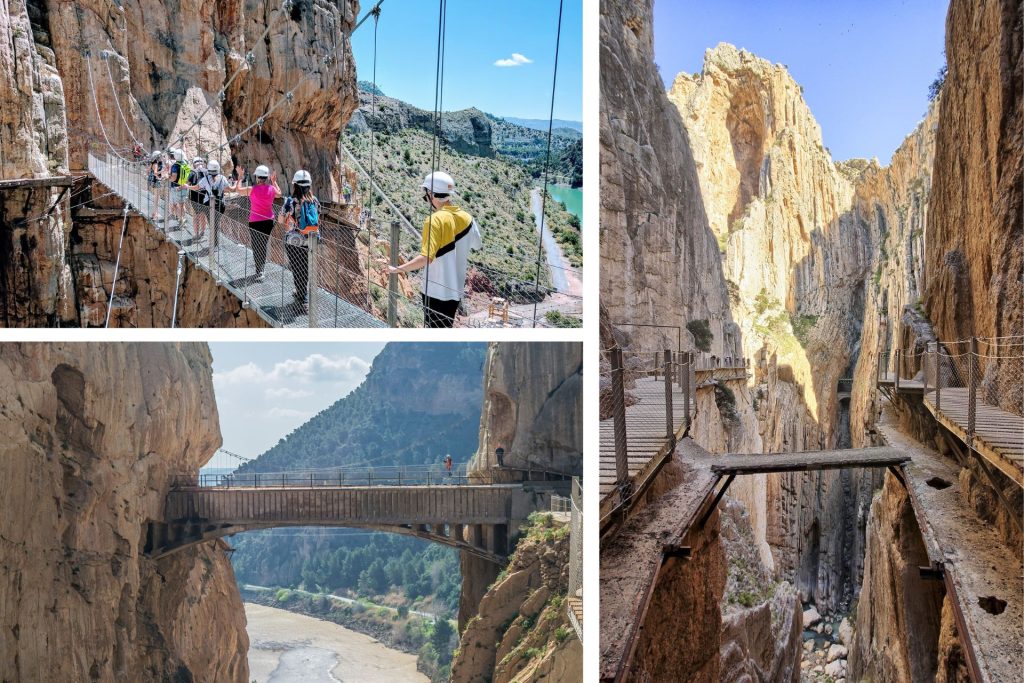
{"points": [[674, 371], [325, 281], [407, 475]]}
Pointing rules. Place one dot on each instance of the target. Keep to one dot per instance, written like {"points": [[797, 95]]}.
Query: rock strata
{"points": [[92, 436]]}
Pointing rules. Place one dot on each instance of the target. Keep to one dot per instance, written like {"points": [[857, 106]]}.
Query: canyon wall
{"points": [[92, 435], [91, 75], [974, 254], [533, 407], [660, 264]]}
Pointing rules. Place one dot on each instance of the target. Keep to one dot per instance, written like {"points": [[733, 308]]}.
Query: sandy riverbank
{"points": [[293, 647]]}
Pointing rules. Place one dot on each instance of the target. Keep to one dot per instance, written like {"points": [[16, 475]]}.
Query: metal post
{"points": [[924, 368], [619, 415], [392, 278], [311, 277], [938, 377], [686, 387], [670, 426], [972, 391], [896, 369], [210, 256]]}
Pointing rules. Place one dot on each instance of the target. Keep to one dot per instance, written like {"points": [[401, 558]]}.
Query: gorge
{"points": [[723, 215]]}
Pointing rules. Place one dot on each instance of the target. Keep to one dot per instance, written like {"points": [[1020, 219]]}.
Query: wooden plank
{"points": [[54, 181], [806, 461]]}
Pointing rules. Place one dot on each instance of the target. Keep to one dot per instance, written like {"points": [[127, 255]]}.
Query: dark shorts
{"points": [[439, 312]]}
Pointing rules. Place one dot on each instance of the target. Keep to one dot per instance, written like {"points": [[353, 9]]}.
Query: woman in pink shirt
{"points": [[261, 212]]}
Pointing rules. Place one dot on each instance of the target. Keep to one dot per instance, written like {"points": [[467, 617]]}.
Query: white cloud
{"points": [[313, 368], [288, 413], [285, 392], [516, 60]]}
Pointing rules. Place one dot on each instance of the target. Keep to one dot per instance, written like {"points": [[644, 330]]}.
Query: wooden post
{"points": [[619, 416], [972, 391], [670, 426], [393, 279]]}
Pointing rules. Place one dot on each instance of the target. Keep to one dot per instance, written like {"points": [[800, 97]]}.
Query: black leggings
{"points": [[259, 242], [439, 312], [298, 260]]}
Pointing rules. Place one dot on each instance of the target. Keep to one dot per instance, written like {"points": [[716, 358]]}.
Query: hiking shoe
{"points": [[260, 277]]}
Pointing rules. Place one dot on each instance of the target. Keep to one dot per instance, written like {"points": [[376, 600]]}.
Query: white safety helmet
{"points": [[261, 172], [302, 178], [213, 167], [178, 154], [439, 182], [155, 155], [197, 160]]}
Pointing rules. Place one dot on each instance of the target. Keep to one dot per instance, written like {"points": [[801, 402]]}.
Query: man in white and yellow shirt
{"points": [[448, 236]]}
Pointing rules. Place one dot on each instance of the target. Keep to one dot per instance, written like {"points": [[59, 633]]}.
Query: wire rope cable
{"points": [[117, 267]]}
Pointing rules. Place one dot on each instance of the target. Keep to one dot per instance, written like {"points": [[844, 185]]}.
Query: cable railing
{"points": [[964, 374], [327, 281]]}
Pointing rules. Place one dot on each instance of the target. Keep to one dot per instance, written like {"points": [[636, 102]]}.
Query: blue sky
{"points": [[865, 66], [265, 390], [478, 35]]}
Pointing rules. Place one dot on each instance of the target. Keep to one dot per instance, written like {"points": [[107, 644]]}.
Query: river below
{"points": [[284, 647]]}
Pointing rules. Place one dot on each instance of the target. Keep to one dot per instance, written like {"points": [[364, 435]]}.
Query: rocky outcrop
{"points": [[899, 616], [92, 436], [524, 612], [467, 131], [974, 254]]}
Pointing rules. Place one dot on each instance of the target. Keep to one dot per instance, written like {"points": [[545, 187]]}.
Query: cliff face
{"points": [[533, 407], [92, 435], [34, 280], [655, 244], [975, 249], [88, 75]]}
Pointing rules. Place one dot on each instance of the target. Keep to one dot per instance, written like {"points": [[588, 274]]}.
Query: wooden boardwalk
{"points": [[646, 436], [998, 435], [888, 381]]}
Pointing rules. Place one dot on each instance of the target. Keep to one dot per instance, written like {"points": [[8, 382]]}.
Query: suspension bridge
{"points": [[334, 279]]}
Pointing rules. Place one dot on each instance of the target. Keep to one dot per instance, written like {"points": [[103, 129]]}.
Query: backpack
{"points": [[307, 215], [184, 171]]}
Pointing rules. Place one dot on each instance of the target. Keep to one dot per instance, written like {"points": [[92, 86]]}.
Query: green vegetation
{"points": [[802, 325], [494, 190], [936, 86], [725, 399], [702, 335], [558, 319]]}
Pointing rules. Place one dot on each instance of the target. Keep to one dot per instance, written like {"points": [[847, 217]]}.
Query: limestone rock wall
{"points": [[975, 248], [92, 435], [659, 260], [33, 144], [533, 407], [524, 611]]}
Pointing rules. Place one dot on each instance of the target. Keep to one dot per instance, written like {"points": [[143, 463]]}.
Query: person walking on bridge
{"points": [[261, 212], [302, 216], [448, 465], [449, 233]]}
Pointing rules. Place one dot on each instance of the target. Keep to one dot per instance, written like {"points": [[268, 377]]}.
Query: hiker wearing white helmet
{"points": [[302, 216], [448, 236], [195, 195], [212, 185], [261, 211]]}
